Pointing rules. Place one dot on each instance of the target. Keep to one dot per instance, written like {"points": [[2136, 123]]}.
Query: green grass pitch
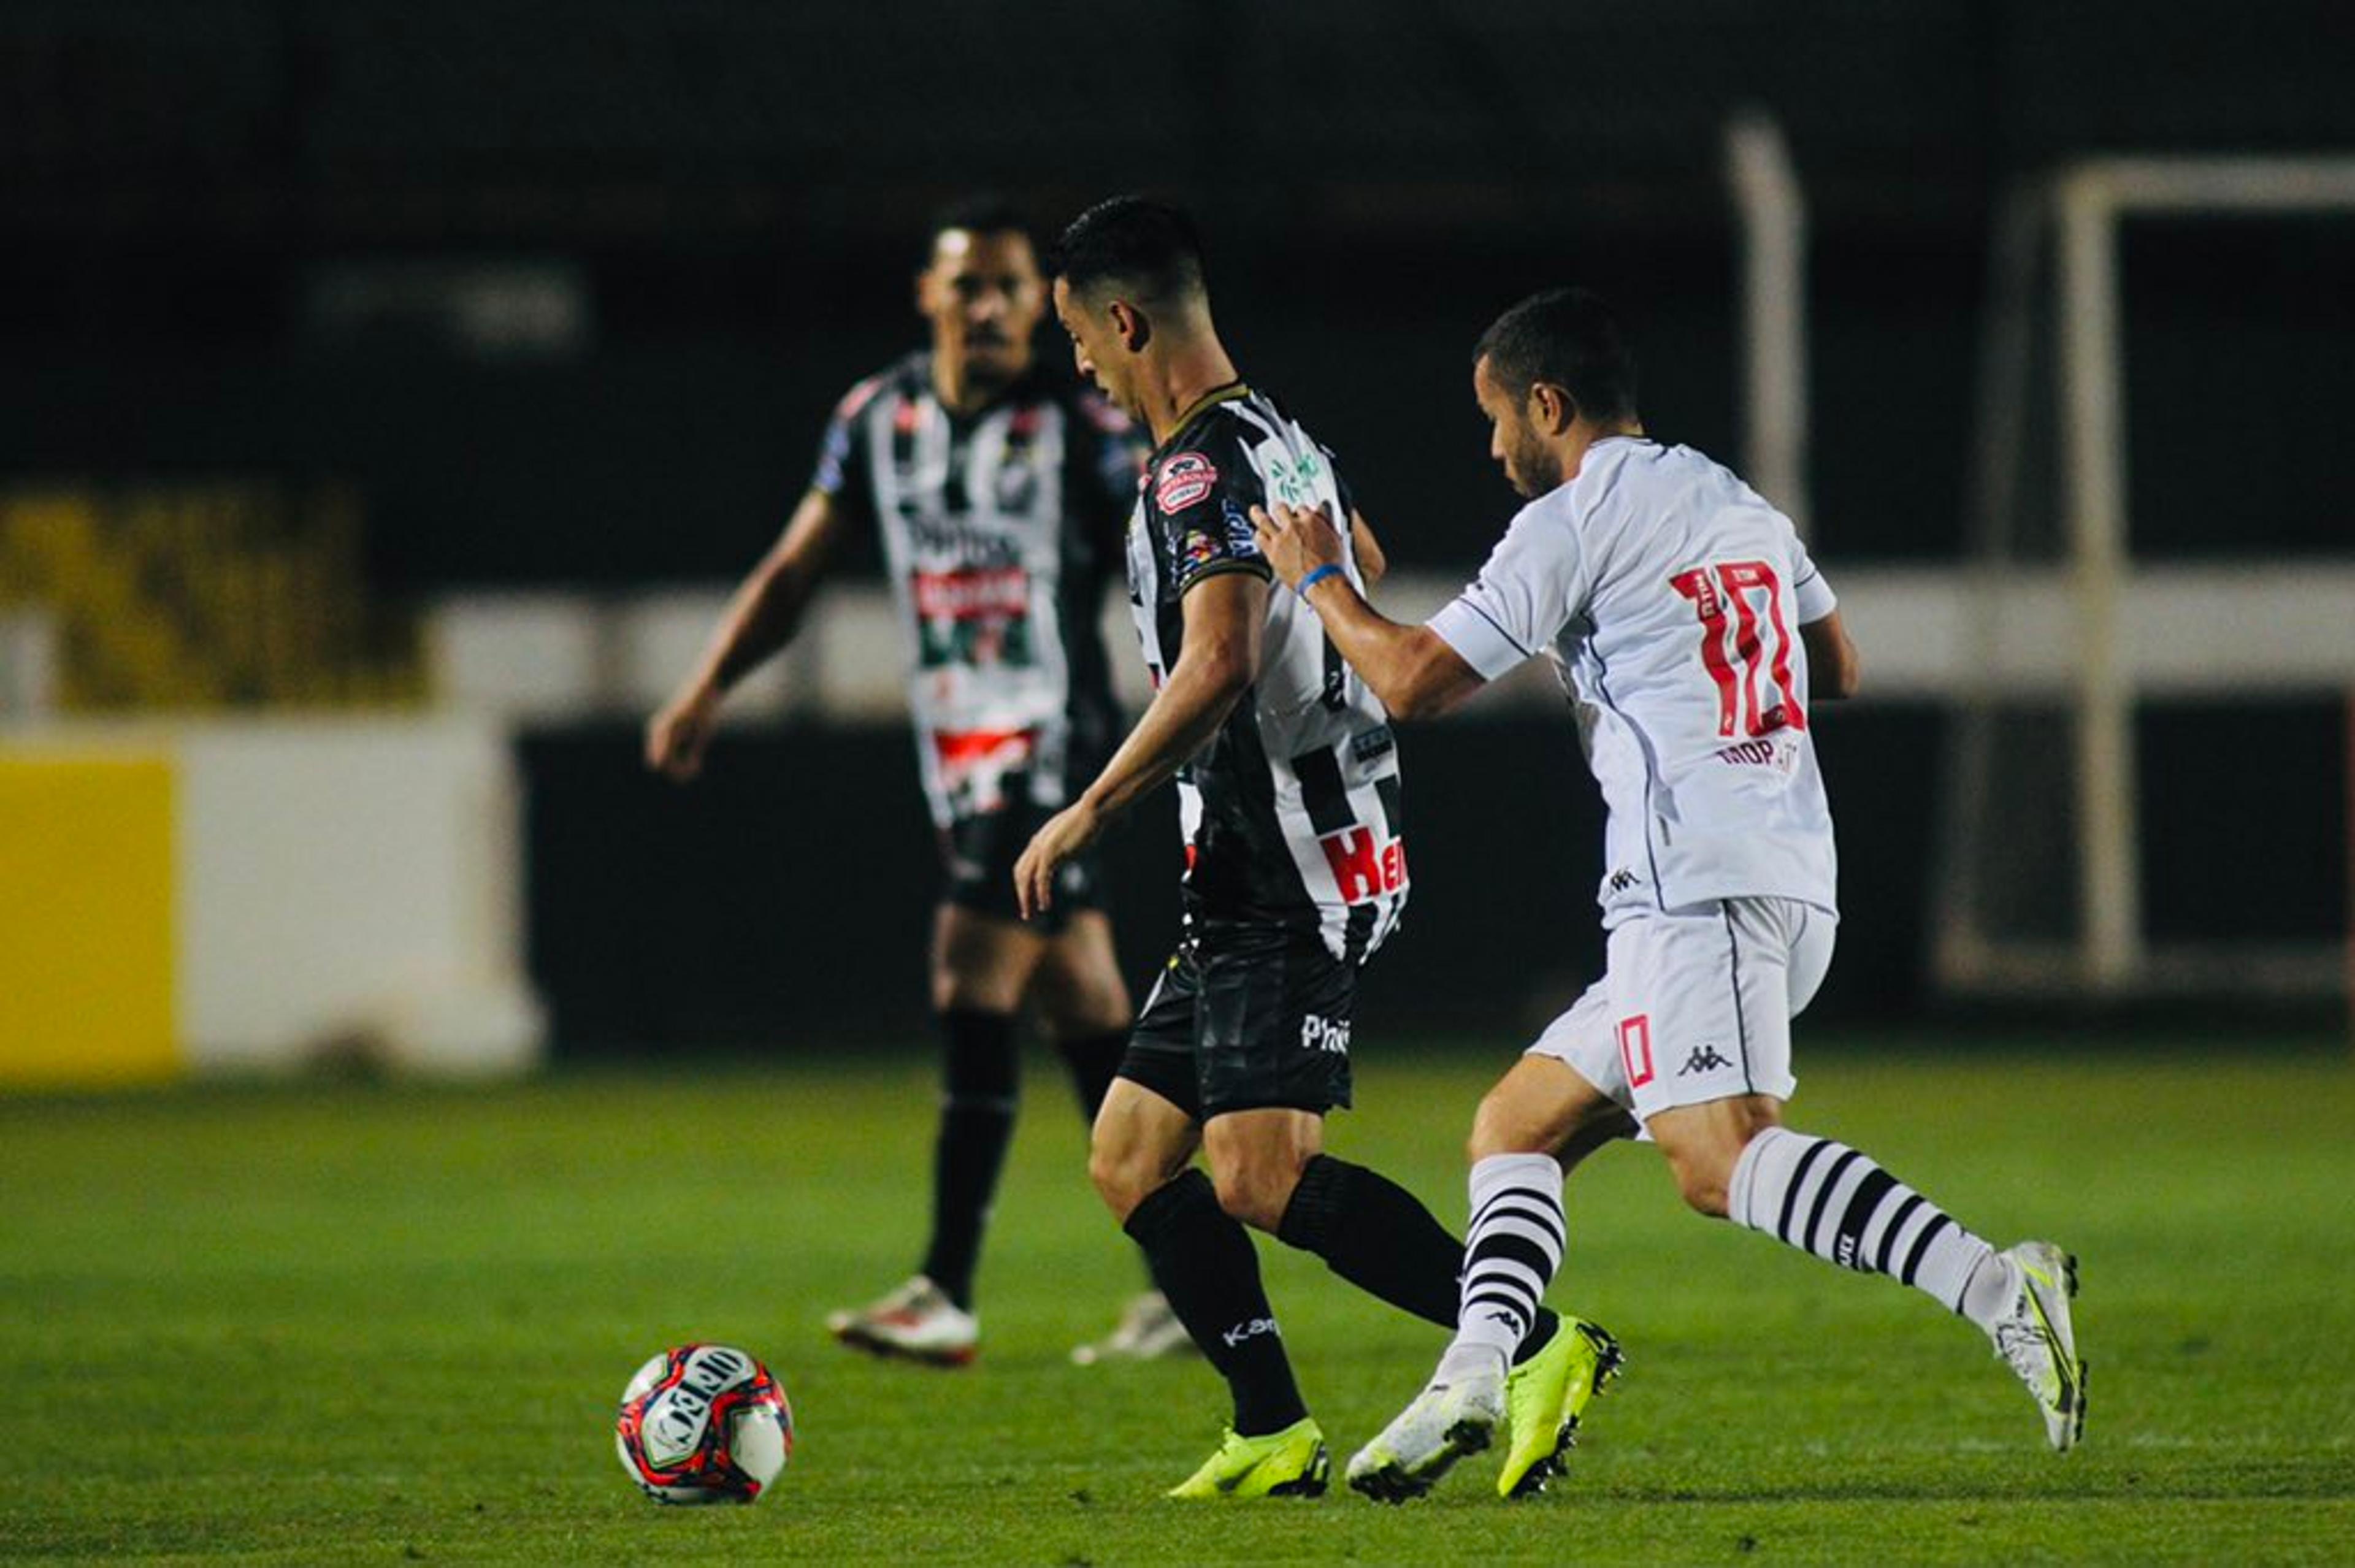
{"points": [[346, 1323]]}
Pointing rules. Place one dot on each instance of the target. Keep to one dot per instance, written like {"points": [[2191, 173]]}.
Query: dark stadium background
{"points": [[741, 189]]}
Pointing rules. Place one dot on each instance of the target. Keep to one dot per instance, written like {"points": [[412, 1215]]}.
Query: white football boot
{"points": [[1445, 1422], [1148, 1332], [917, 1322], [2035, 1336]]}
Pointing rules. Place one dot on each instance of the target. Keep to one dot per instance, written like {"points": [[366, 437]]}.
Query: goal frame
{"points": [[2079, 210]]}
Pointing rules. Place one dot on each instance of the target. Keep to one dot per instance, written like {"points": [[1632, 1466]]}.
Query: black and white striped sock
{"points": [[1510, 1252], [1827, 1199]]}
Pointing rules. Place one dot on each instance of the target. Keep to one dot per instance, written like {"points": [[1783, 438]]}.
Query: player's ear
{"points": [[1131, 326], [1552, 407]]}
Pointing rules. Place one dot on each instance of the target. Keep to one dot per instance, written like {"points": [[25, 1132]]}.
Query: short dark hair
{"points": [[981, 212], [1148, 245], [1569, 339]]}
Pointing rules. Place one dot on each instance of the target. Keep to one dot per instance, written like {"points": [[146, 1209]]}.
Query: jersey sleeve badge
{"points": [[1186, 480]]}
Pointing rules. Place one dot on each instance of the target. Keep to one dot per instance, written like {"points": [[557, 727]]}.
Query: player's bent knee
{"points": [[1255, 1195], [1704, 1181], [1122, 1183], [1505, 1123], [1704, 1197], [1126, 1172]]}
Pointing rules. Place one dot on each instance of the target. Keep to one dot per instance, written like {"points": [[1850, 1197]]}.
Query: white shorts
{"points": [[1697, 1004]]}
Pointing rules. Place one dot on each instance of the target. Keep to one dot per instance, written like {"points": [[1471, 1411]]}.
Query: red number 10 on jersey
{"points": [[1736, 637]]}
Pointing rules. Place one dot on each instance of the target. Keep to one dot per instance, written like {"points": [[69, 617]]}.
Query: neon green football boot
{"points": [[1287, 1464], [1546, 1396]]}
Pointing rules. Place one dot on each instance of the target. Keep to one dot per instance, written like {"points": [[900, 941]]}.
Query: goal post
{"points": [[2075, 217]]}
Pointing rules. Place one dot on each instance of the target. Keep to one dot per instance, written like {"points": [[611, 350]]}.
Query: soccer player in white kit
{"points": [[1686, 623]]}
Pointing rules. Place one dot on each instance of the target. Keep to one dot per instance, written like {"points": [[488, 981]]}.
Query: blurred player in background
{"points": [[999, 493], [1290, 799], [1668, 594]]}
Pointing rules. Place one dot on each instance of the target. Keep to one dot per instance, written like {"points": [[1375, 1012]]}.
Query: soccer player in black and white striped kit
{"points": [[997, 492], [1691, 631], [1290, 798]]}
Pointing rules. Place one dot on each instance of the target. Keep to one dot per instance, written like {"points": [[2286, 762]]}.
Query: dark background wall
{"points": [[732, 193], [789, 890], [738, 187], [785, 896]]}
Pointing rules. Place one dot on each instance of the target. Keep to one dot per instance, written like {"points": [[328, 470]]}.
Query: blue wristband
{"points": [[1329, 569]]}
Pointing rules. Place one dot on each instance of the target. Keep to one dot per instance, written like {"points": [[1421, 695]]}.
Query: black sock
{"points": [[1093, 1061], [1209, 1270], [1375, 1234], [982, 1078]]}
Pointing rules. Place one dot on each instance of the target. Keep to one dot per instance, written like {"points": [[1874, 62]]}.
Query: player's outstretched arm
{"points": [[761, 618], [1834, 667], [1225, 618], [1411, 669]]}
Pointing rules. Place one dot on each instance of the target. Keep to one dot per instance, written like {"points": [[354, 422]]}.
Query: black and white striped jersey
{"points": [[999, 532], [1293, 814]]}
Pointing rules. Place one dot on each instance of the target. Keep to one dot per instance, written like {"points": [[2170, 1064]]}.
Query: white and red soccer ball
{"points": [[704, 1424]]}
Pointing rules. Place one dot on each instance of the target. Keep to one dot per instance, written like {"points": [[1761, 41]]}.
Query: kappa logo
{"points": [[1704, 1058], [1249, 1328], [1186, 480]]}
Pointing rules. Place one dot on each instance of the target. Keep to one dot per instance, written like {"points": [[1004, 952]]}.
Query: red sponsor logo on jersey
{"points": [[973, 763], [1186, 480], [1363, 868], [1635, 1048], [972, 595], [963, 748]]}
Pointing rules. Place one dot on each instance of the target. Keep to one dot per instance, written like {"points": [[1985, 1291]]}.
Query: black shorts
{"points": [[1245, 1018], [977, 856]]}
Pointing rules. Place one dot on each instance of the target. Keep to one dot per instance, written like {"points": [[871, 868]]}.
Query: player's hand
{"points": [[1295, 542], [1067, 833], [676, 736]]}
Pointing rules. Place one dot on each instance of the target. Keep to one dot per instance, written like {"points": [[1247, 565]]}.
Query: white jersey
{"points": [[1669, 596]]}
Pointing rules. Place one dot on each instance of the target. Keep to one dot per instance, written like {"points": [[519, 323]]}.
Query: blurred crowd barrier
{"points": [[190, 595], [204, 895]]}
